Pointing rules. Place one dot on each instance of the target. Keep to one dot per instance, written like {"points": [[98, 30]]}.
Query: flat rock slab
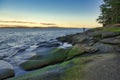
{"points": [[113, 41], [101, 34], [105, 47], [6, 70], [105, 68], [110, 34]]}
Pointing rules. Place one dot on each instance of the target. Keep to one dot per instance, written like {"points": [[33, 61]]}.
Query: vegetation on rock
{"points": [[55, 56]]}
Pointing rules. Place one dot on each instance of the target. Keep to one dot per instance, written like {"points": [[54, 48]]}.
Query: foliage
{"points": [[110, 12]]}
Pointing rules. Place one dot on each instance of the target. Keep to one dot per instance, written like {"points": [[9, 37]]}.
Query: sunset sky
{"points": [[48, 13]]}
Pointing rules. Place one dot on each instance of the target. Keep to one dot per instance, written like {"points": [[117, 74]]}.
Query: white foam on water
{"points": [[65, 45], [32, 47]]}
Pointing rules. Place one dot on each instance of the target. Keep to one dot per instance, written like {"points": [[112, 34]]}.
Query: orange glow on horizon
{"points": [[70, 25]]}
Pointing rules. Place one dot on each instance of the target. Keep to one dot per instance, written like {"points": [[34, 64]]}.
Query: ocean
{"points": [[19, 44]]}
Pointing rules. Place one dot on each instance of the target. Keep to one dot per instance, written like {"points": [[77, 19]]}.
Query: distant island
{"points": [[20, 26]]}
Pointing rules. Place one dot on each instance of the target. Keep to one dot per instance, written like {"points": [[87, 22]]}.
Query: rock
{"points": [[6, 70], [67, 38], [79, 49], [49, 44], [84, 39], [96, 34], [53, 44], [79, 38], [105, 47], [110, 34], [53, 72], [112, 41], [118, 49], [55, 56], [103, 34], [62, 39]]}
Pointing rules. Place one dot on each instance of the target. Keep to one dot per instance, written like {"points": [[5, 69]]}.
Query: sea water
{"points": [[18, 44]]}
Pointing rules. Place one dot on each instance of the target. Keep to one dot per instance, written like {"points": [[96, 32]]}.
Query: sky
{"points": [[50, 13]]}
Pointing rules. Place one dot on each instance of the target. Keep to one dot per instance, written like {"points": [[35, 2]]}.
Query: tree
{"points": [[110, 12]]}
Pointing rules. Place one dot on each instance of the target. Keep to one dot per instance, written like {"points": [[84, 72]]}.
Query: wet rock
{"points": [[78, 39], [67, 38], [79, 49], [53, 44], [22, 48], [53, 72], [6, 70], [56, 56], [49, 44]]}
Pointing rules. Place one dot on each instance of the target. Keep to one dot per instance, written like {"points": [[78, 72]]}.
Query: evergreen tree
{"points": [[110, 12]]}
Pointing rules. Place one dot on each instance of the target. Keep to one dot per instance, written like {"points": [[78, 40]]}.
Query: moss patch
{"points": [[112, 29], [56, 56], [78, 71], [75, 51], [43, 74], [36, 57], [6, 73]]}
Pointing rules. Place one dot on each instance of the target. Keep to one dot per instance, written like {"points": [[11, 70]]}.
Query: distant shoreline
{"points": [[42, 27]]}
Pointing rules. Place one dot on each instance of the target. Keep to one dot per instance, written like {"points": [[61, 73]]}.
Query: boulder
{"points": [[6, 70], [55, 56], [53, 72], [79, 38], [67, 38], [79, 49]]}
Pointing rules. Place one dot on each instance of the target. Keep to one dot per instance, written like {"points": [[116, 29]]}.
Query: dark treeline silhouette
{"points": [[110, 13]]}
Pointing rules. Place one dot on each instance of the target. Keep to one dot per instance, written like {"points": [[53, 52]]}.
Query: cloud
{"points": [[48, 24], [2, 21]]}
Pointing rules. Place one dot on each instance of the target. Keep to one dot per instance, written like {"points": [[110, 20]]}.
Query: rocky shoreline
{"points": [[93, 56]]}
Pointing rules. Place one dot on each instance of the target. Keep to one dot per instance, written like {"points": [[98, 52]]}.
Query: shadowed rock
{"points": [[6, 70], [112, 41], [103, 48]]}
